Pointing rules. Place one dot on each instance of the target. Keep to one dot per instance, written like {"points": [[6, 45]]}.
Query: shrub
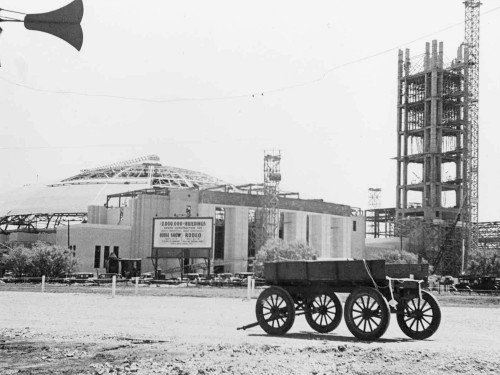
{"points": [[279, 250], [41, 260]]}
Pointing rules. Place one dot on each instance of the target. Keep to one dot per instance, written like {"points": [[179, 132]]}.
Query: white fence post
{"points": [[43, 284], [249, 287], [136, 285], [113, 287], [253, 287]]}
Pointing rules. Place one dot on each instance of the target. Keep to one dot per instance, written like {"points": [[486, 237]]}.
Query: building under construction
{"points": [[431, 125], [437, 156]]}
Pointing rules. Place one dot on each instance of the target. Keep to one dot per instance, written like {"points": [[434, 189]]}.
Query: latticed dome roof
{"points": [[146, 170], [92, 186]]}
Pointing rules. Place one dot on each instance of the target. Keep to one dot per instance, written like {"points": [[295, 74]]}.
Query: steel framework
{"points": [[471, 109], [272, 178], [36, 223], [489, 235], [380, 222]]}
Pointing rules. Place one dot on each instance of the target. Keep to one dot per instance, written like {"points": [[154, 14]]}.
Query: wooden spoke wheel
{"points": [[275, 311], [324, 312], [366, 313], [419, 318]]}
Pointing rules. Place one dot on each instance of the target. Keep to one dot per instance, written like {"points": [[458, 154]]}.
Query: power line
{"points": [[240, 96]]}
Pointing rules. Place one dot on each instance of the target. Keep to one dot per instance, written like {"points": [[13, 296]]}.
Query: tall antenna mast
{"points": [[471, 136]]}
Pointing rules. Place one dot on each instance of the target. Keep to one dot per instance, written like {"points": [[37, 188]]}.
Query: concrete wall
{"points": [[130, 227], [28, 238], [180, 200], [85, 237], [97, 215], [247, 200], [236, 239], [144, 209], [340, 237], [295, 226], [358, 236]]}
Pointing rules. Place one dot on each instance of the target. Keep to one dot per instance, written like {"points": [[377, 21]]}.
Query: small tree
{"points": [[18, 260], [41, 260], [279, 250], [483, 263], [51, 260]]}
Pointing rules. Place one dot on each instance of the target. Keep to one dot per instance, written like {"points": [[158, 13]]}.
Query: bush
{"points": [[279, 250], [41, 260], [483, 263], [18, 260], [394, 256]]}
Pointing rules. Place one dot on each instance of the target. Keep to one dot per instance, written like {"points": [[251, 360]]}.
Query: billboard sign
{"points": [[183, 233]]}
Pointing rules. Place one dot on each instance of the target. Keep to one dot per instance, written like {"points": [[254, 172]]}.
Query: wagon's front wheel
{"points": [[275, 311], [366, 313], [419, 318], [324, 312]]}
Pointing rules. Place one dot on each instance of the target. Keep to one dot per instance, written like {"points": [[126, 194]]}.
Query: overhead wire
{"points": [[239, 96]]}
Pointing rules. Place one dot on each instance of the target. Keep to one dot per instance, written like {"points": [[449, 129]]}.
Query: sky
{"points": [[211, 85]]}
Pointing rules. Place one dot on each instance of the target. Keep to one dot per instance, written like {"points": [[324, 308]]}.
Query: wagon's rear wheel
{"points": [[324, 312], [366, 313], [275, 311], [419, 318]]}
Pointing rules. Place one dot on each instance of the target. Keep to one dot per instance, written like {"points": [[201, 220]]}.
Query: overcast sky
{"points": [[209, 85]]}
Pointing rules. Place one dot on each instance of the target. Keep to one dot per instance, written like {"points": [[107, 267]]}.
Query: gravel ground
{"points": [[81, 330]]}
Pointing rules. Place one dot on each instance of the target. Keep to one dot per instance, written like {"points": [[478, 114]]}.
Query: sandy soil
{"points": [[86, 331]]}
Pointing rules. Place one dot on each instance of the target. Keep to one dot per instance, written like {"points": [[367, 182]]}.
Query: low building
{"points": [[127, 231], [110, 210]]}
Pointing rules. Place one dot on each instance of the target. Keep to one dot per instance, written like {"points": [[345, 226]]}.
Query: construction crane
{"points": [[471, 136]]}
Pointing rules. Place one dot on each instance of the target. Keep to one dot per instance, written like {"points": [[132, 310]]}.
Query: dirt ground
{"points": [[83, 330]]}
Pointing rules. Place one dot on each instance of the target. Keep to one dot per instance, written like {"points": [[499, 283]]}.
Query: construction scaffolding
{"points": [[380, 222], [272, 179], [489, 236], [434, 157], [471, 114]]}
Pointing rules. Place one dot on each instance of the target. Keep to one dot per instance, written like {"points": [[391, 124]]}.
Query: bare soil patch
{"points": [[82, 330]]}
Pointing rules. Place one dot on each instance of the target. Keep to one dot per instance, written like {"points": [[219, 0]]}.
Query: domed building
{"points": [[41, 208], [112, 212]]}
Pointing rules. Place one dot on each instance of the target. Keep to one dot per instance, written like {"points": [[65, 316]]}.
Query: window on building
{"points": [[354, 225], [116, 250], [220, 224], [106, 254], [97, 257], [252, 233]]}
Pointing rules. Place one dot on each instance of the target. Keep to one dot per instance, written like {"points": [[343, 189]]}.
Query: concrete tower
{"points": [[430, 129]]}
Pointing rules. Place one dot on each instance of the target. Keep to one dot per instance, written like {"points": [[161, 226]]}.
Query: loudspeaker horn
{"points": [[63, 23]]}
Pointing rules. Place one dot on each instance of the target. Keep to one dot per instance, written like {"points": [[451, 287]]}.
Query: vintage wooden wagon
{"points": [[310, 288]]}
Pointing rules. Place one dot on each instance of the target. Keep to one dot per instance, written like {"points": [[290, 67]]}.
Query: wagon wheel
{"points": [[419, 318], [367, 313], [275, 311], [324, 312]]}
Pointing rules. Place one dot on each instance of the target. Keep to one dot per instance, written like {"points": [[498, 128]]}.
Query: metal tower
{"points": [[374, 198], [272, 178], [471, 114]]}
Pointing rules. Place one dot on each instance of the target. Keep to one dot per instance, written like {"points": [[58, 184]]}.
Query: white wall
{"points": [[85, 237]]}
